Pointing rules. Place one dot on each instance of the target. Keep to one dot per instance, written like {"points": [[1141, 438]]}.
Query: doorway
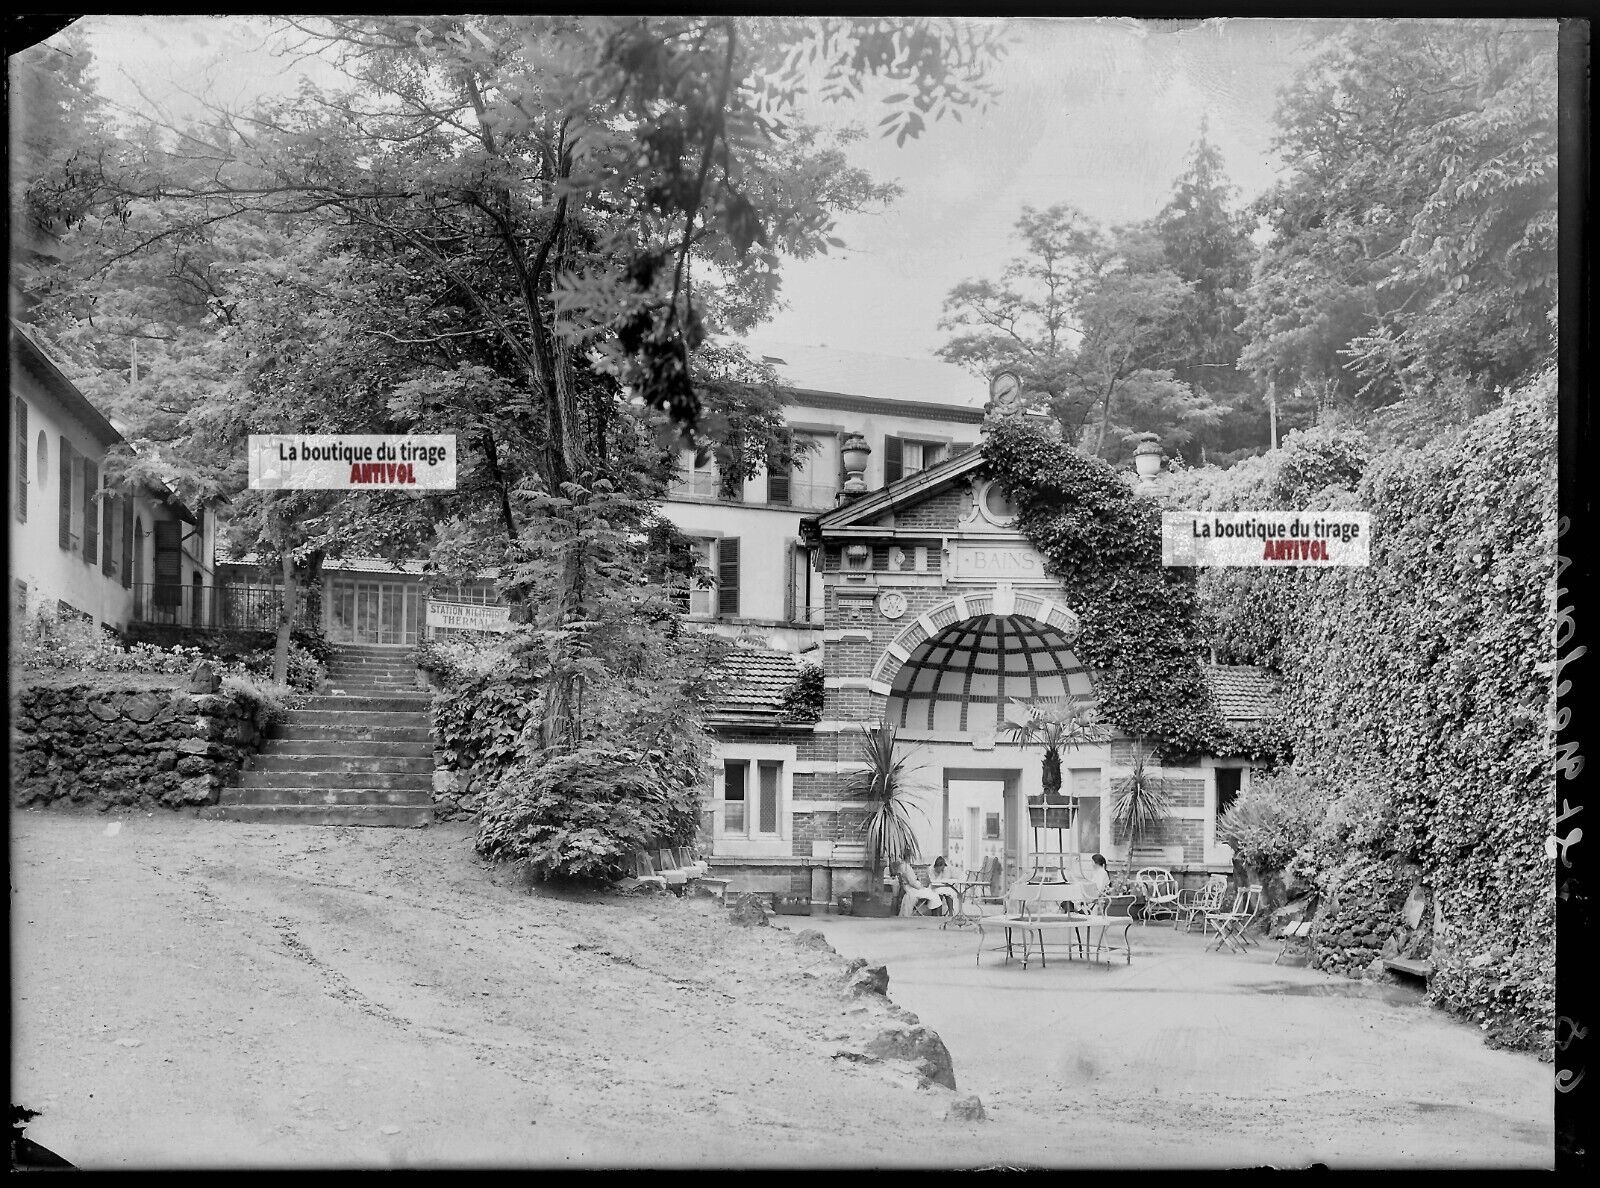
{"points": [[978, 824]]}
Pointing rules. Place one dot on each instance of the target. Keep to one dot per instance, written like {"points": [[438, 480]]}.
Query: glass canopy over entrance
{"points": [[962, 680]]}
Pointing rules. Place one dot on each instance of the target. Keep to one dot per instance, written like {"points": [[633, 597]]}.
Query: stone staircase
{"points": [[357, 754]]}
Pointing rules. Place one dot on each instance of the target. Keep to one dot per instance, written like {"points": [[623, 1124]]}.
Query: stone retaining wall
{"points": [[166, 747], [1363, 918]]}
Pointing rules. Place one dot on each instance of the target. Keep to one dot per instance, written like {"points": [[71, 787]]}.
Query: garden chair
{"points": [[980, 897], [1160, 891], [1294, 934], [677, 878], [699, 874], [1231, 925], [643, 873], [1196, 902]]}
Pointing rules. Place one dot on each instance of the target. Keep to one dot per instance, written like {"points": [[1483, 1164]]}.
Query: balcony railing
{"points": [[247, 607]]}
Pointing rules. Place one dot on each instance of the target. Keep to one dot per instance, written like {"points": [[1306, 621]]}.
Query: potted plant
{"points": [[1058, 724], [1143, 801], [884, 781]]}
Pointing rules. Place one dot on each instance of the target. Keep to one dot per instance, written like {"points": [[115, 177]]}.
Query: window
{"points": [[740, 817], [42, 459], [719, 558], [997, 505], [1229, 780], [20, 411], [812, 482], [167, 576], [127, 542], [991, 825], [902, 456]]}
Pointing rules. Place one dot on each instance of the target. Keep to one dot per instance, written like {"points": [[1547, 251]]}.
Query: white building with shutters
{"points": [[108, 557], [912, 413]]}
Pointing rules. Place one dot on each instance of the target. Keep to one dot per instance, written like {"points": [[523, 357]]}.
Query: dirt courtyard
{"points": [[191, 993]]}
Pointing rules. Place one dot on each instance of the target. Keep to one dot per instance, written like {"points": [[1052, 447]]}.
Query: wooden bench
{"points": [[1410, 966]]}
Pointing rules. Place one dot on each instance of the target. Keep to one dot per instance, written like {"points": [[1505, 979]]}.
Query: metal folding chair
{"points": [[1231, 925]]}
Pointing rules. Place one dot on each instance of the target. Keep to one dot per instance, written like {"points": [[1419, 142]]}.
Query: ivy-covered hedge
{"points": [[1429, 674]]}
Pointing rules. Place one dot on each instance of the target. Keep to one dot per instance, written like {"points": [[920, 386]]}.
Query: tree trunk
{"points": [[286, 608]]}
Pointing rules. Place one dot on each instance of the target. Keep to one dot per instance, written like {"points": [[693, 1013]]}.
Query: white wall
{"points": [[36, 557]]}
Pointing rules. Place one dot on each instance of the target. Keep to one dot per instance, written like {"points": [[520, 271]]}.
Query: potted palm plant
{"points": [[885, 781], [1058, 724], [1143, 801]]}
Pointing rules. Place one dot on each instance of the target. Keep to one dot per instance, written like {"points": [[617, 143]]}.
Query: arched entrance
{"points": [[949, 693]]}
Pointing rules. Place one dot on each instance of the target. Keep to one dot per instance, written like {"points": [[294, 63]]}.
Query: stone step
{"points": [[356, 718], [370, 665], [395, 816], [408, 679], [377, 764], [308, 732], [301, 777], [373, 686], [340, 795], [353, 748], [415, 702]]}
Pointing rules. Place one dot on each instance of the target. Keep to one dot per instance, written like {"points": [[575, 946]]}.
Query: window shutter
{"points": [[91, 513], [108, 534], [127, 543], [64, 467], [728, 576], [777, 486], [168, 575], [22, 458], [767, 820], [893, 461]]}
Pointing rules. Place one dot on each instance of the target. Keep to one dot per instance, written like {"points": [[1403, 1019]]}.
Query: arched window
{"points": [[42, 456]]}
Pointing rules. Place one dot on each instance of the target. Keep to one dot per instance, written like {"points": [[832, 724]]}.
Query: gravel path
{"points": [[190, 993]]}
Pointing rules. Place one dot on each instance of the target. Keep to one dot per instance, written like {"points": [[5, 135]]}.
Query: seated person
{"points": [[1100, 877], [916, 891], [939, 880]]}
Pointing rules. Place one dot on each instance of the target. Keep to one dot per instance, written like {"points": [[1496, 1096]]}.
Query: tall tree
{"points": [[1413, 246], [1206, 243], [561, 201], [1084, 316]]}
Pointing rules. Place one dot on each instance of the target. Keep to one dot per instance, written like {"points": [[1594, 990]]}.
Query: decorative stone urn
{"points": [[1147, 457], [854, 451]]}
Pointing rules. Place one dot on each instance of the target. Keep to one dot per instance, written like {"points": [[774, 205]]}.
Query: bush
{"points": [[1271, 820], [581, 814], [269, 703], [305, 670], [480, 721], [802, 700], [50, 642]]}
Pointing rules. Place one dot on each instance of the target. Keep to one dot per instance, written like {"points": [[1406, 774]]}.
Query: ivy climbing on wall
{"points": [[1140, 636]]}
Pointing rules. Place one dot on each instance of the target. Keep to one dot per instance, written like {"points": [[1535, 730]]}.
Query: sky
{"points": [[1098, 113]]}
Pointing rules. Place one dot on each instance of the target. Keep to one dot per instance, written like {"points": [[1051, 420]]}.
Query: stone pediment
{"points": [[952, 497]]}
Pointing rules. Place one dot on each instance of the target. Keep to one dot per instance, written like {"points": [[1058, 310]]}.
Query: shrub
{"points": [[802, 700], [1271, 820], [305, 670], [580, 815], [481, 721], [270, 703], [50, 642]]}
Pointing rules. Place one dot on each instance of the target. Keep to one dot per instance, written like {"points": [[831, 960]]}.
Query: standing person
{"points": [[916, 891]]}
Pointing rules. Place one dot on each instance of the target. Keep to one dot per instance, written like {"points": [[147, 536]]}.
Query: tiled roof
{"points": [[344, 564], [1243, 691], [857, 373], [749, 683]]}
